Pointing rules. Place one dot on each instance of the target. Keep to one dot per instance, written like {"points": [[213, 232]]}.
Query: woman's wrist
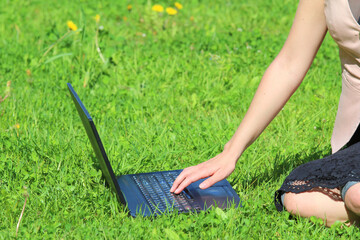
{"points": [[231, 150]]}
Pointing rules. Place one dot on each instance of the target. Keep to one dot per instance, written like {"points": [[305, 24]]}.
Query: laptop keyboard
{"points": [[156, 190]]}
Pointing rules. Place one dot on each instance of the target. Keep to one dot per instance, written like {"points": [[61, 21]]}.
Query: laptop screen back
{"points": [[96, 144]]}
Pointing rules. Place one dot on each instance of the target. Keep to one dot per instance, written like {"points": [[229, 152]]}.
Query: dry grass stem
{"points": [[7, 91], [21, 215], [97, 45], [3, 99]]}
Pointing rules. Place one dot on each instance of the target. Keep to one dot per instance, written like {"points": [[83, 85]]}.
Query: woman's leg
{"points": [[329, 207], [322, 205]]}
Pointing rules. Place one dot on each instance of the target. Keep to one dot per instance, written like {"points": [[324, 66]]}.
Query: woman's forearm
{"points": [[276, 87]]}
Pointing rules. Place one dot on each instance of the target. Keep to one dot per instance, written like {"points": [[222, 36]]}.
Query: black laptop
{"points": [[148, 194]]}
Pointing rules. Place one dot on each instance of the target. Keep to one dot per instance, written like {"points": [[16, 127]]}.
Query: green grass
{"points": [[171, 94]]}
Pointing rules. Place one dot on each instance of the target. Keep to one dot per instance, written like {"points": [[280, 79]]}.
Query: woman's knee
{"points": [[289, 202], [295, 204], [352, 199]]}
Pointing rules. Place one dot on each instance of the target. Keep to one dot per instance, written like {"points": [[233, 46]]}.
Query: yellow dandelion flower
{"points": [[72, 25], [171, 11], [97, 18], [125, 18], [17, 126], [191, 18], [178, 5], [158, 8], [129, 7]]}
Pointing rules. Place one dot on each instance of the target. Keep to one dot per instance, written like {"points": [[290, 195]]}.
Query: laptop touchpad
{"points": [[215, 196], [213, 192]]}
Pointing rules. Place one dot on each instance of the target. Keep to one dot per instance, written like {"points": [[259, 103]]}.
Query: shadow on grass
{"points": [[281, 165]]}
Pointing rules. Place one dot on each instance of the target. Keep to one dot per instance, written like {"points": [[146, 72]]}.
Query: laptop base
{"points": [[193, 198]]}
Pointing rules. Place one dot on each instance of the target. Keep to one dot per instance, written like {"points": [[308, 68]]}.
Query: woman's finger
{"points": [[178, 180], [212, 180], [187, 181], [193, 175]]}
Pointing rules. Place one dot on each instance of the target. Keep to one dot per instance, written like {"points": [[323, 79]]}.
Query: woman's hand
{"points": [[217, 168]]}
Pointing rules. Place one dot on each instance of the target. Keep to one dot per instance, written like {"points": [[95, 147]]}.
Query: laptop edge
{"points": [[97, 145]]}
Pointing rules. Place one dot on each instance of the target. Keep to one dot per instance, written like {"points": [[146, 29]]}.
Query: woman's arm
{"points": [[279, 82]]}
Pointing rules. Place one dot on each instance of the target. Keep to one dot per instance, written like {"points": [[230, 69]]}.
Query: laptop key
{"points": [[156, 190]]}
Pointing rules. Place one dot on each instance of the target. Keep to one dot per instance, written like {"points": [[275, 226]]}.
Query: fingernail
{"points": [[202, 185], [171, 189]]}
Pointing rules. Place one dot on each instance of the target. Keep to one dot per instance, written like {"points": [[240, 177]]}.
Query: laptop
{"points": [[148, 194]]}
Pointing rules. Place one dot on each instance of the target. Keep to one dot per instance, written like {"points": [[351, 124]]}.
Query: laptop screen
{"points": [[96, 144]]}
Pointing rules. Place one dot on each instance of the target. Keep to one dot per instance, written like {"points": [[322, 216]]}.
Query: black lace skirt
{"points": [[330, 172]]}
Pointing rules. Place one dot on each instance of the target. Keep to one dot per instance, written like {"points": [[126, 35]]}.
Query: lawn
{"points": [[166, 92]]}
